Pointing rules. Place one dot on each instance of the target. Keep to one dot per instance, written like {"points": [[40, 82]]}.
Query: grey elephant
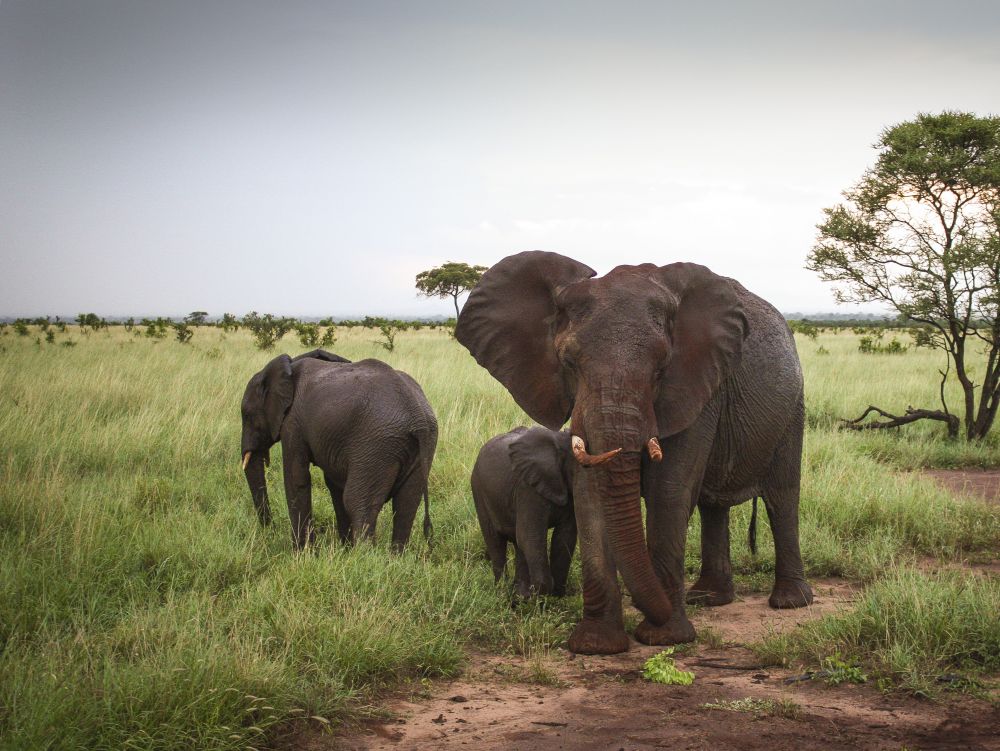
{"points": [[368, 427], [522, 487], [682, 387]]}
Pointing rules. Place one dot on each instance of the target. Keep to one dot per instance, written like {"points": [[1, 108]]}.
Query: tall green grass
{"points": [[141, 606]]}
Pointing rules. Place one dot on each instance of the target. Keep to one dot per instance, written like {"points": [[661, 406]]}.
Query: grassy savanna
{"points": [[141, 606]]}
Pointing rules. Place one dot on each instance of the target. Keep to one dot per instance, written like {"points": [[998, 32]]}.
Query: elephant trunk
{"points": [[618, 485], [621, 415], [253, 469]]}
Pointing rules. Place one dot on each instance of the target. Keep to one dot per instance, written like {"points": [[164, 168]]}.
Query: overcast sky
{"points": [[309, 158]]}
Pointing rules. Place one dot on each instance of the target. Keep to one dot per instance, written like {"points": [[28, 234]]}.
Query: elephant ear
{"points": [[508, 325], [536, 460], [279, 391], [709, 327]]}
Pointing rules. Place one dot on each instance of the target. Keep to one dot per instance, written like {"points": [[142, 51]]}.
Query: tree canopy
{"points": [[449, 280], [920, 232]]}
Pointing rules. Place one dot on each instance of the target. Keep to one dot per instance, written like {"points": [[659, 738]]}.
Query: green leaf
{"points": [[661, 669]]}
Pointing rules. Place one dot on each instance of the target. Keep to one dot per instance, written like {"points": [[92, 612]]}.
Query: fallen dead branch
{"points": [[896, 421]]}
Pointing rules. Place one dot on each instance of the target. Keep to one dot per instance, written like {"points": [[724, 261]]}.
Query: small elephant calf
{"points": [[522, 485]]}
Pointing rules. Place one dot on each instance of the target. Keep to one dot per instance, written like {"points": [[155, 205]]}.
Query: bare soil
{"points": [[977, 483], [563, 701]]}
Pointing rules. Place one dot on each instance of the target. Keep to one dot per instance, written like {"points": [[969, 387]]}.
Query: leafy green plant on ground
{"points": [[660, 668]]}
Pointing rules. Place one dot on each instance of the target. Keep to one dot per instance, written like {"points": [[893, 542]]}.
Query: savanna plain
{"points": [[141, 605]]}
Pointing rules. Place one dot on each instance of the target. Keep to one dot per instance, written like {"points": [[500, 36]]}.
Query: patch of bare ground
{"points": [[977, 483], [564, 701]]}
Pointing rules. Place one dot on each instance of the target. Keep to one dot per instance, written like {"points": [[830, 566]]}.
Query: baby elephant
{"points": [[367, 426], [522, 485]]}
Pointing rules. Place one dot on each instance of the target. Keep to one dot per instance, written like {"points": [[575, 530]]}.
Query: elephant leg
{"points": [[781, 499], [602, 629], [496, 544], [791, 590], [672, 488], [298, 492], [405, 504], [715, 585], [562, 547], [339, 510], [365, 492], [531, 532], [522, 577]]}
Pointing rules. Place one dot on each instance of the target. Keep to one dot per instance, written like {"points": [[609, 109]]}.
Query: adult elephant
{"points": [[650, 362], [367, 426]]}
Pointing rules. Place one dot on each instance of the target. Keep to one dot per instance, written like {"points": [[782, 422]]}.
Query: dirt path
{"points": [[978, 483], [591, 703]]}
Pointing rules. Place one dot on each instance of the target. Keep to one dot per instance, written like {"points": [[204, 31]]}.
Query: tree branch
{"points": [[895, 421]]}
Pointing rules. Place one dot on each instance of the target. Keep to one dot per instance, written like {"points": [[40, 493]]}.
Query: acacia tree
{"points": [[920, 232], [449, 280]]}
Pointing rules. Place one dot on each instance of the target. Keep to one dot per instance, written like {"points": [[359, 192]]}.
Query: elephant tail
{"points": [[752, 531], [426, 445]]}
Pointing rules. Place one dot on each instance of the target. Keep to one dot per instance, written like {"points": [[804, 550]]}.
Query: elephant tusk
{"points": [[653, 447], [587, 460], [246, 460]]}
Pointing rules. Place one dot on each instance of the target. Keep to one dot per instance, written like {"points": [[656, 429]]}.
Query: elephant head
{"points": [[542, 459], [629, 358], [266, 401]]}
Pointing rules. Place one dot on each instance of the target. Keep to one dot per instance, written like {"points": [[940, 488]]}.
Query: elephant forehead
{"points": [[623, 287]]}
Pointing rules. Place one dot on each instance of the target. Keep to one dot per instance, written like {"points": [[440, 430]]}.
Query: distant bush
{"points": [[308, 334], [388, 341], [229, 322], [156, 328], [329, 337], [182, 331], [805, 328], [266, 329], [870, 345]]}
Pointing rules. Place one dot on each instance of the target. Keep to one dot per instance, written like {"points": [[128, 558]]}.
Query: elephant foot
{"points": [[597, 638], [677, 630], [790, 593], [711, 592]]}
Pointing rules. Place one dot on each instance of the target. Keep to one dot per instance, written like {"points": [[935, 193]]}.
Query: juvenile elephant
{"points": [[522, 485], [367, 426], [643, 355]]}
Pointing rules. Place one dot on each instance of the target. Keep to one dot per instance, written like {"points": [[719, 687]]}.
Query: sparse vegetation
{"points": [[910, 629], [760, 707]]}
